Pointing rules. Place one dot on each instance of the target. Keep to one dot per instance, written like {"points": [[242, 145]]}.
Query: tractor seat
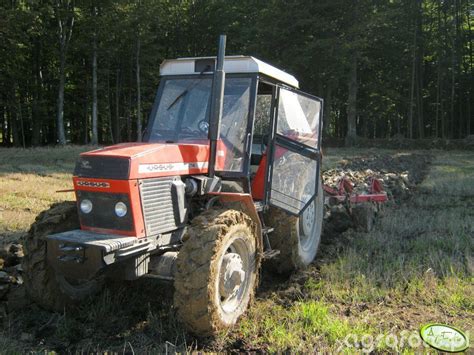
{"points": [[258, 180], [257, 153], [259, 147]]}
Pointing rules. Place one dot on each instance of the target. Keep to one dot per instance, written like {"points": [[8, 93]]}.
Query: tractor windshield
{"points": [[183, 109]]}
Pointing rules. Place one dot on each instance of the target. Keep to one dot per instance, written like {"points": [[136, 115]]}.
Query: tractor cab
{"points": [[262, 113]]}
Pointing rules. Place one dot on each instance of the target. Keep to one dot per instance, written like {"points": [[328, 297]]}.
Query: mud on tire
{"points": [[41, 283], [199, 289]]}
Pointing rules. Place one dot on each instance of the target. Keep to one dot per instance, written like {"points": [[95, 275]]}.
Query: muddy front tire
{"points": [[297, 238], [43, 286], [217, 271]]}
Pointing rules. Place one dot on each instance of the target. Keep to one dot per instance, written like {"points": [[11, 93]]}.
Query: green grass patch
{"points": [[299, 327]]}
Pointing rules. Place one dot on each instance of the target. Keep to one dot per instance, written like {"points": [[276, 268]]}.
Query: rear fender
{"points": [[243, 202]]}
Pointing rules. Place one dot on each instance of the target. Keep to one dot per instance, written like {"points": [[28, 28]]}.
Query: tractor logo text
{"points": [[174, 167], [102, 185], [85, 164]]}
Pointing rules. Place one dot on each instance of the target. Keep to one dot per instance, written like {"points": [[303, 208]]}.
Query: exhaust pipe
{"points": [[217, 99]]}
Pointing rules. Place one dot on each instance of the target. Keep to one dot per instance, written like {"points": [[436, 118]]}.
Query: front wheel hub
{"points": [[232, 275]]}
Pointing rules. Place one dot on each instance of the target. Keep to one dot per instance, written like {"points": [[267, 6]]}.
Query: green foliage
{"points": [[414, 61]]}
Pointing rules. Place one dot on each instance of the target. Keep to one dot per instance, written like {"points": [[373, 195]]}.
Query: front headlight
{"points": [[86, 206], [120, 209]]}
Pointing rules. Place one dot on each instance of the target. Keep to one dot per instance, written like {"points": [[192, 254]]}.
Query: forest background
{"points": [[86, 72]]}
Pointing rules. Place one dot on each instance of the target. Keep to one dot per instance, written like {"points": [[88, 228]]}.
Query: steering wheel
{"points": [[203, 126]]}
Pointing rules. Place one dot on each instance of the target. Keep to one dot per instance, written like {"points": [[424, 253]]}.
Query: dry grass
{"points": [[415, 267], [29, 179]]}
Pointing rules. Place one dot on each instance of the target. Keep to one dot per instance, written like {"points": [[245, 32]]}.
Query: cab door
{"points": [[295, 156]]}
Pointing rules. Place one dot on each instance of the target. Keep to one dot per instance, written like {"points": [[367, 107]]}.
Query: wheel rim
{"points": [[307, 223], [309, 220], [234, 275]]}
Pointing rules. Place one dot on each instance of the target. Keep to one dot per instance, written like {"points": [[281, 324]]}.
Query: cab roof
{"points": [[232, 64]]}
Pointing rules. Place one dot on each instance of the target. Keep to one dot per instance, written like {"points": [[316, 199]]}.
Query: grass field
{"points": [[366, 290], [29, 179]]}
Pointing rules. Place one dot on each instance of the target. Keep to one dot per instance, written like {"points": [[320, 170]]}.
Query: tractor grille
{"points": [[157, 204]]}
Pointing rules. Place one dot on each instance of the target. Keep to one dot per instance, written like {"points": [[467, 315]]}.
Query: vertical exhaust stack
{"points": [[217, 99]]}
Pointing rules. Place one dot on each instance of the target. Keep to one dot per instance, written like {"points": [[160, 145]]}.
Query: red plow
{"points": [[361, 206], [345, 192]]}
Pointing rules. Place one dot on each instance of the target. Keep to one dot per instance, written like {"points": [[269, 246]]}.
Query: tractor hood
{"points": [[144, 160]]}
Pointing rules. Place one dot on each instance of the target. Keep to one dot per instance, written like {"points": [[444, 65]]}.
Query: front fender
{"points": [[244, 203]]}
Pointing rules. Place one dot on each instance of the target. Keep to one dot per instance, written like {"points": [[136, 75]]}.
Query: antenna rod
{"points": [[217, 99]]}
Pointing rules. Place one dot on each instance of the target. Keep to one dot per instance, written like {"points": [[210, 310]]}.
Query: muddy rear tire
{"points": [[43, 286], [298, 243], [217, 271]]}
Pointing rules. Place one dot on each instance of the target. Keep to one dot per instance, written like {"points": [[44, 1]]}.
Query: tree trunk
{"points": [[86, 123], [20, 121], [94, 140], [443, 120], [399, 128], [86, 103], [412, 85], [365, 127], [471, 76], [60, 112], [469, 117], [419, 105], [8, 126], [129, 102], [3, 125], [419, 87], [453, 72], [460, 53], [109, 104], [36, 120], [374, 129], [2, 122], [438, 104], [13, 117], [65, 27], [327, 111], [351, 135], [139, 95], [438, 74], [453, 85], [117, 107]]}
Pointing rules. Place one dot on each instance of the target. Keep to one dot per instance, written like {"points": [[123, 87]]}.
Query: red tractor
{"points": [[228, 174]]}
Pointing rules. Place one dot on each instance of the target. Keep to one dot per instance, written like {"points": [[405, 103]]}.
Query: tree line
{"points": [[85, 71]]}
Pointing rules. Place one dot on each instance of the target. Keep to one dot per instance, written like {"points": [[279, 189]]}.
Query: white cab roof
{"points": [[232, 64]]}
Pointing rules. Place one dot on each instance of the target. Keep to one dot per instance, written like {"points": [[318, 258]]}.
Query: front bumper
{"points": [[82, 254]]}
